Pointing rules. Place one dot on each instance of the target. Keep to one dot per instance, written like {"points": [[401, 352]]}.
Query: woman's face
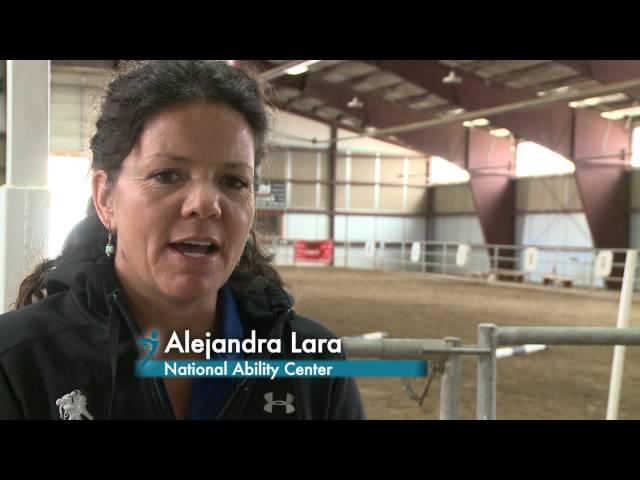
{"points": [[183, 204]]}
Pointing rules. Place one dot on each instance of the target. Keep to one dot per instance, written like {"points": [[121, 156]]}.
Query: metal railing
{"points": [[556, 266], [449, 352]]}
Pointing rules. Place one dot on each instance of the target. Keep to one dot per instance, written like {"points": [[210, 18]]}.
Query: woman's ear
{"points": [[103, 198]]}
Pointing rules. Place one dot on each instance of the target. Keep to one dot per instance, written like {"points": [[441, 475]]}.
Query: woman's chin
{"points": [[193, 289]]}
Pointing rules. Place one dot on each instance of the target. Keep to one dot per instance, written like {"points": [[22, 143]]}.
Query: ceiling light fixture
{"points": [[355, 103], [478, 122], [593, 101], [621, 113], [554, 91], [500, 132], [452, 78], [301, 67]]}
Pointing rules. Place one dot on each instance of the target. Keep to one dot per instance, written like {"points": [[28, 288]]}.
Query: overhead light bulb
{"points": [[500, 132], [301, 67], [562, 89], [621, 113], [452, 78], [480, 122], [612, 115], [355, 103]]}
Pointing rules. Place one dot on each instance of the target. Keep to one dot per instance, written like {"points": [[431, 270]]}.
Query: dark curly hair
{"points": [[138, 92]]}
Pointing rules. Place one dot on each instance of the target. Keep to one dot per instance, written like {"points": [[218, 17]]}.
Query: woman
{"points": [[167, 246]]}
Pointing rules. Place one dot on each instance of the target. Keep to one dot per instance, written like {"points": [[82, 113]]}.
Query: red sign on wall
{"points": [[314, 251]]}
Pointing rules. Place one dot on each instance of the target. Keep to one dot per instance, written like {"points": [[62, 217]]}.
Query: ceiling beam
{"points": [[447, 142], [488, 158], [517, 73], [608, 71], [575, 134]]}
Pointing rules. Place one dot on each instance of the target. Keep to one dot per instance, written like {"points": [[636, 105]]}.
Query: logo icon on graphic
{"points": [[151, 345], [288, 403], [73, 406]]}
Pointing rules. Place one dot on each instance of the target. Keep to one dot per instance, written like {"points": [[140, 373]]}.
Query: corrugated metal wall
{"points": [[570, 230], [454, 220], [540, 194], [454, 215], [380, 191], [74, 100], [448, 199], [549, 213]]}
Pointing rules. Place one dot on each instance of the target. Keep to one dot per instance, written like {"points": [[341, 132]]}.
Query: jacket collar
{"points": [[263, 305]]}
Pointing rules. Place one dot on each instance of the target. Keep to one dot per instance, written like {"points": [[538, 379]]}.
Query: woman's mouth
{"points": [[195, 249]]}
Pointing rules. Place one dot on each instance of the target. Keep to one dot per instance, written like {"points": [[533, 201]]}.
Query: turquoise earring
{"points": [[109, 249]]}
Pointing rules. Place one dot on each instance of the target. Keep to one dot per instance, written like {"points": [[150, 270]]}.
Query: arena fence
{"points": [[552, 266], [446, 354]]}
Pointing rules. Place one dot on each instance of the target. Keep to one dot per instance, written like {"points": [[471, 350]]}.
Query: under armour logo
{"points": [[73, 406], [288, 403]]}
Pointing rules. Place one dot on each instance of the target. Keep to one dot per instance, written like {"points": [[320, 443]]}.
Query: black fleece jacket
{"points": [[82, 337]]}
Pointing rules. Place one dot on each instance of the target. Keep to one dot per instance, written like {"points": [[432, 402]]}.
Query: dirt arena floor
{"points": [[560, 383]]}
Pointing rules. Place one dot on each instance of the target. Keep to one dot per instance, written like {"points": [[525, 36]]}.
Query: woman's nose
{"points": [[203, 200]]}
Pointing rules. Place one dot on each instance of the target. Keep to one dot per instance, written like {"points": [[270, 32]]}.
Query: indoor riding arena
{"points": [[482, 216], [560, 383]]}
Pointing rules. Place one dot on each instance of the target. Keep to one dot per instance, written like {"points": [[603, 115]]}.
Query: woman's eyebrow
{"points": [[241, 165], [172, 156], [183, 159]]}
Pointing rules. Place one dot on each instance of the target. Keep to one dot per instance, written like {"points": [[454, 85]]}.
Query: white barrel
{"points": [[462, 255], [369, 248], [530, 259], [604, 264], [415, 252]]}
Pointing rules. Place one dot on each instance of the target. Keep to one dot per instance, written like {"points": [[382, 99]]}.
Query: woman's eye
{"points": [[235, 183], [166, 176]]}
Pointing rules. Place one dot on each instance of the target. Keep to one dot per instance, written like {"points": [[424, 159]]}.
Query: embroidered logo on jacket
{"points": [[288, 403], [73, 406]]}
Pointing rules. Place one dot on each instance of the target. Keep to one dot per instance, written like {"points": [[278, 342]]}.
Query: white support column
{"points": [[318, 178], [24, 199], [624, 319], [376, 180], [288, 174], [3, 130], [347, 178], [3, 110], [405, 183]]}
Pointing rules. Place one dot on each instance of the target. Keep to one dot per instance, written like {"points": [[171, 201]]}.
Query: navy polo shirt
{"points": [[210, 395]]}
